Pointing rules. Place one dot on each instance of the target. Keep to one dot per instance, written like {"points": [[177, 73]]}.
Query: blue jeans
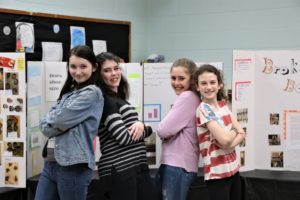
{"points": [[174, 182], [64, 183]]}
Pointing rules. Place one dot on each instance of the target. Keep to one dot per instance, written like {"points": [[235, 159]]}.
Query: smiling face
{"points": [[111, 74], [208, 86], [180, 79], [80, 69]]}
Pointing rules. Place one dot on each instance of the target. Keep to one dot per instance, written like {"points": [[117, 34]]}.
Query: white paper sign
{"points": [[52, 51], [56, 74], [99, 46]]}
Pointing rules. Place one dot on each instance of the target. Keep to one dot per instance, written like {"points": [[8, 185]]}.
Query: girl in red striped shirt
{"points": [[218, 133]]}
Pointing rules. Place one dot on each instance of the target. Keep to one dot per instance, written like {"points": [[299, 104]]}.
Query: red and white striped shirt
{"points": [[218, 163]]}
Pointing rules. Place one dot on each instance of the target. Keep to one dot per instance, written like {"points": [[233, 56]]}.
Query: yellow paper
{"points": [[21, 64]]}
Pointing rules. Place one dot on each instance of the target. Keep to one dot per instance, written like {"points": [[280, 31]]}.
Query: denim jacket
{"points": [[74, 122]]}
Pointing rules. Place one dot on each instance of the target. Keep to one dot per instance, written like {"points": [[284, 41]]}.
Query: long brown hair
{"points": [[123, 89], [85, 52], [191, 67]]}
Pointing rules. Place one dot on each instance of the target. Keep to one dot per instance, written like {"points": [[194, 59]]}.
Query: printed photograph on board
{"points": [[14, 149], [277, 159], [1, 79], [242, 115], [12, 82], [12, 104], [243, 143], [12, 173], [13, 126], [1, 130], [274, 139], [274, 118], [242, 158]]}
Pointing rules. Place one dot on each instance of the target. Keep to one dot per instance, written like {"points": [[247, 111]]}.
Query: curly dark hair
{"points": [[212, 69]]}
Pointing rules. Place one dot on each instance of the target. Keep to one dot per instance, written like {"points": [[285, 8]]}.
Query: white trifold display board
{"points": [[12, 120], [266, 101], [134, 75], [44, 83], [158, 99]]}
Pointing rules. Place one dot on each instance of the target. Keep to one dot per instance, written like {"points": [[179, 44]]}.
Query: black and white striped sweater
{"points": [[117, 147]]}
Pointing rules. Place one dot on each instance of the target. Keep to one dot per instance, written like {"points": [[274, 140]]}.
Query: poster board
{"points": [[12, 120], [134, 74], [158, 99], [44, 82], [266, 90]]}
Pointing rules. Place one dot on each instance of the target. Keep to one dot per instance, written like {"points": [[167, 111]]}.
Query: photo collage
{"points": [[12, 120]]}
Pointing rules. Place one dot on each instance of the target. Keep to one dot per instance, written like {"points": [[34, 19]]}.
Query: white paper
{"points": [[56, 74], [293, 130], [52, 51], [135, 95], [99, 46], [290, 159], [97, 149], [242, 91], [12, 134], [8, 92], [35, 83], [134, 75], [35, 89], [7, 153], [51, 142], [218, 65], [34, 118], [35, 140], [243, 65]]}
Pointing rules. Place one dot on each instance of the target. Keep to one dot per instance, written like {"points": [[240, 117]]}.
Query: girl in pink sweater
{"points": [[180, 149]]}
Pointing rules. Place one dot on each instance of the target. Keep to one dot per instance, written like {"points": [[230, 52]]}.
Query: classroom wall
{"points": [[198, 29], [210, 30], [134, 11]]}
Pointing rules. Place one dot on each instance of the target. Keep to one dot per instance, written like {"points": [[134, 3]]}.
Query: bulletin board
{"points": [[115, 33]]}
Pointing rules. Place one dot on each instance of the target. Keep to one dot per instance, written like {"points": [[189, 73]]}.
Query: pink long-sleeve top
{"points": [[178, 132]]}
